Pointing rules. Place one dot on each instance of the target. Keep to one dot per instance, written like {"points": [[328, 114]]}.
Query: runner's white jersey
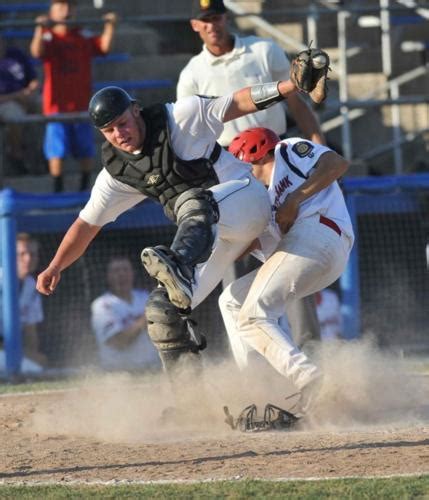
{"points": [[195, 124], [295, 160]]}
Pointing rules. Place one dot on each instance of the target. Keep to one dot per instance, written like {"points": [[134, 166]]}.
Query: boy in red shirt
{"points": [[67, 51]]}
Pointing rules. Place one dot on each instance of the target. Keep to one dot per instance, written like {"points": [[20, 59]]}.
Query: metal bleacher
{"points": [[18, 31], [377, 112], [122, 67]]}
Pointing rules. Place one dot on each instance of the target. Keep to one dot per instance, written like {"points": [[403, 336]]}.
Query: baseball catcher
{"points": [[309, 72], [168, 153]]}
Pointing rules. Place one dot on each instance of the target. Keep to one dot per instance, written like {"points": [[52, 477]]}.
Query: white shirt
{"points": [[30, 302], [195, 123], [110, 315], [329, 314], [30, 313], [28, 366], [252, 61], [294, 160]]}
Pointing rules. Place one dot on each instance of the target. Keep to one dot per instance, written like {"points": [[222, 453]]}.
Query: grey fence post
{"points": [[343, 84], [2, 155]]}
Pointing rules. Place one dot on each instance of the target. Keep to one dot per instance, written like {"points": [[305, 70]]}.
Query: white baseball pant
{"points": [[244, 212], [310, 257]]}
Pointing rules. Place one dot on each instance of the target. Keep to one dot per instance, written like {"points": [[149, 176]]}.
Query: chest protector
{"points": [[157, 172]]}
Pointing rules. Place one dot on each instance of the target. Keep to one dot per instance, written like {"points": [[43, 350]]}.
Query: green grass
{"points": [[394, 488], [419, 365], [58, 384], [416, 365], [43, 385]]}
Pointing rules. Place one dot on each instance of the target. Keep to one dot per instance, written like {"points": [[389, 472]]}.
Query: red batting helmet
{"points": [[253, 144]]}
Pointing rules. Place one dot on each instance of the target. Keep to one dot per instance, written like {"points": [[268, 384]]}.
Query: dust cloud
{"points": [[366, 386], [362, 387]]}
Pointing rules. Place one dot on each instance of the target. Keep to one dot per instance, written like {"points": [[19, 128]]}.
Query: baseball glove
{"points": [[309, 73]]}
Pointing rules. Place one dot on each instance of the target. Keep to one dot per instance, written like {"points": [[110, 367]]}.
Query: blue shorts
{"points": [[64, 139]]}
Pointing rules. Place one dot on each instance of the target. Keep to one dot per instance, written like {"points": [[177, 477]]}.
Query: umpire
{"points": [[245, 59]]}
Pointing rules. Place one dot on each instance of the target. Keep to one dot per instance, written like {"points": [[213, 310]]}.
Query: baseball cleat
{"points": [[309, 395], [161, 265]]}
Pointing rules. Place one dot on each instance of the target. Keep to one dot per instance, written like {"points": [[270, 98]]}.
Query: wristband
{"points": [[265, 94]]}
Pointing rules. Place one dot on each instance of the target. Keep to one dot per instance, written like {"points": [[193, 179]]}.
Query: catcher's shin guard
{"points": [[196, 213], [170, 329]]}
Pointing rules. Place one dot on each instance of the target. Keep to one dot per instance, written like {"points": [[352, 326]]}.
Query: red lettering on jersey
{"points": [[281, 187]]}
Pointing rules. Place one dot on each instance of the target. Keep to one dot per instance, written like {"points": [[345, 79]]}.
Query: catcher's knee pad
{"points": [[196, 212], [169, 328], [196, 202]]}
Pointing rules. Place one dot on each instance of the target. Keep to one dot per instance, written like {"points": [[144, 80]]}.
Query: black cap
{"points": [[107, 104], [204, 8]]}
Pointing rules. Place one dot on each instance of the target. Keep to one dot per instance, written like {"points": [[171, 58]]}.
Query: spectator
{"points": [[30, 304], [228, 62], [329, 314], [18, 90], [119, 323], [66, 52]]}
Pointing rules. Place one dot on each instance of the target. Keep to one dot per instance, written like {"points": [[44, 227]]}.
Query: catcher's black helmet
{"points": [[107, 104]]}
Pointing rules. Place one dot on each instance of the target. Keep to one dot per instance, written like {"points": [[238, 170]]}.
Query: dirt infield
{"points": [[109, 428]]}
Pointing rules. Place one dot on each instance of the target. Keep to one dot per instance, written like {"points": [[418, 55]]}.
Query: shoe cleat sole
{"points": [[162, 271]]}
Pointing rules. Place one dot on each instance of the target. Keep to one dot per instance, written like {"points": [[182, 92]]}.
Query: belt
{"points": [[330, 223]]}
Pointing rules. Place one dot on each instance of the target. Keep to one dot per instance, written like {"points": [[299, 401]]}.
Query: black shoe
{"points": [[85, 179], [17, 167], [58, 184], [161, 264]]}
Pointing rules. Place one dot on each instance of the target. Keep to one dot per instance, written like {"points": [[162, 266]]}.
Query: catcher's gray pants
{"points": [[309, 258]]}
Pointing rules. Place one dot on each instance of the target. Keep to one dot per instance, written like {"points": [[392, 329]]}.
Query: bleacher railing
{"points": [[385, 15], [350, 110]]}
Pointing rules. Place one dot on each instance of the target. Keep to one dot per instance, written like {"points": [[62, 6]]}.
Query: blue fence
{"points": [[368, 200], [393, 195], [48, 213]]}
